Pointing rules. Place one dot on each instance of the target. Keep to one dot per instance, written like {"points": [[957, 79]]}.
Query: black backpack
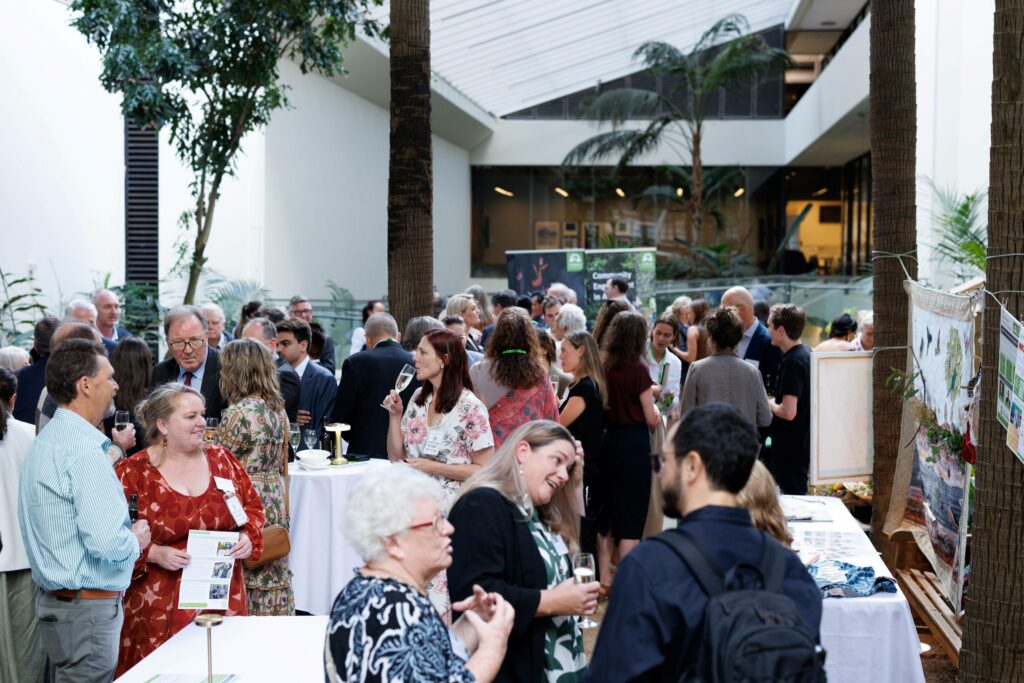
{"points": [[748, 635]]}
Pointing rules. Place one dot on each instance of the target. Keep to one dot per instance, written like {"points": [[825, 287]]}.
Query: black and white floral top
{"points": [[384, 630]]}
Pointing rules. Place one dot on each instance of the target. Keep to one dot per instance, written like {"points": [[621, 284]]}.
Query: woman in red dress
{"points": [[180, 483]]}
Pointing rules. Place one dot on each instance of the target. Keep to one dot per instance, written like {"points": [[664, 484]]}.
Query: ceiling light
{"points": [[502, 191], [618, 191], [679, 192], [562, 192], [738, 193], [818, 193]]}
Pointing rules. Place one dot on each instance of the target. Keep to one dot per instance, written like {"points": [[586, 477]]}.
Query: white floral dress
{"points": [[461, 432]]}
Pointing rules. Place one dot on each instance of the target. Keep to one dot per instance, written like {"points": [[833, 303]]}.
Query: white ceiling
{"points": [[506, 55]]}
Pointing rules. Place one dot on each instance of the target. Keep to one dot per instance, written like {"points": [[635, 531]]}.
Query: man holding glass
{"points": [[192, 361], [366, 378]]}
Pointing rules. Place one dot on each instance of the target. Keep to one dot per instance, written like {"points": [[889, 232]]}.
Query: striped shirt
{"points": [[72, 509]]}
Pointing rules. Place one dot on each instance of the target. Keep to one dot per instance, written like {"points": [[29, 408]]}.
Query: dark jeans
{"points": [[80, 637]]}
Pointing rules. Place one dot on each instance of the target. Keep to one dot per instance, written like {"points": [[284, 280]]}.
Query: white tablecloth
{"points": [[255, 648], [867, 639], [321, 559]]}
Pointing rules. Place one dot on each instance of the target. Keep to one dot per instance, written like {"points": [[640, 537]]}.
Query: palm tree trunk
{"points": [[410, 178], [697, 201], [995, 600], [893, 140]]}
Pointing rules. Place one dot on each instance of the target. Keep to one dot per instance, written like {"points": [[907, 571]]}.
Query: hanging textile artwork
{"points": [[930, 470]]}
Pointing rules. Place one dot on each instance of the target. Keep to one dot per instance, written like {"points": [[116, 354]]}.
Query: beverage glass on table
{"points": [[294, 436], [122, 419], [311, 438], [403, 380], [583, 571], [210, 433]]}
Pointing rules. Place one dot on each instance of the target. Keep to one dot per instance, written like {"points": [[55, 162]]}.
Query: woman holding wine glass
{"points": [[133, 368], [444, 431], [516, 522]]}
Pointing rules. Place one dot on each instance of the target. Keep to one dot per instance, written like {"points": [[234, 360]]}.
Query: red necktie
{"points": [[188, 379]]}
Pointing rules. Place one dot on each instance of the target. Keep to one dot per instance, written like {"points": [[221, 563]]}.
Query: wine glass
{"points": [[210, 433], [122, 419], [403, 380], [583, 571], [294, 436], [311, 438]]}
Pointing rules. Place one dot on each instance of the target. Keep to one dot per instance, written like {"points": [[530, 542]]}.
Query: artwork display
{"points": [[1009, 338], [535, 270], [546, 234]]}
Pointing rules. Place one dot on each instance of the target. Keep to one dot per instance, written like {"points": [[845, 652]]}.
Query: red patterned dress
{"points": [[150, 603]]}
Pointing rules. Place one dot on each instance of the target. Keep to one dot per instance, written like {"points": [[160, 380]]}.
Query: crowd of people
{"points": [[525, 435]]}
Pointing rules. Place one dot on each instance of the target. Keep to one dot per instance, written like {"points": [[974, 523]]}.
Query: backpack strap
{"points": [[703, 568], [773, 565]]}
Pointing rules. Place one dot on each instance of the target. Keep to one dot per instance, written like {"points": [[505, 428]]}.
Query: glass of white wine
{"points": [[403, 380], [311, 437], [294, 436], [583, 570], [122, 419]]}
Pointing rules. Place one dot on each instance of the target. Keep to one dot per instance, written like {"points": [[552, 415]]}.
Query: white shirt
{"points": [[13, 450], [748, 334], [673, 372], [301, 367], [358, 340]]}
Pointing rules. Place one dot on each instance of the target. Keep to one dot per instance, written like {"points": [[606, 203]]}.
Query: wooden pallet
{"points": [[926, 599]]}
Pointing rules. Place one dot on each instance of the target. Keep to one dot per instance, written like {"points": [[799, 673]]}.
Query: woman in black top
{"points": [[583, 413], [133, 370]]}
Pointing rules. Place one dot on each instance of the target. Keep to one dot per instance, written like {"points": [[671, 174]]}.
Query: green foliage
{"points": [[19, 309], [700, 262], [341, 311], [963, 234], [901, 384], [231, 295], [141, 312], [718, 185]]}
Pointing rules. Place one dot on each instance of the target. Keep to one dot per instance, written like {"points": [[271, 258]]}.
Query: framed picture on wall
{"points": [[546, 234], [623, 229], [570, 242], [570, 229]]}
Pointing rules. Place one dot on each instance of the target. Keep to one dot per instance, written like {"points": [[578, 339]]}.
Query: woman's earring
{"points": [[163, 439]]}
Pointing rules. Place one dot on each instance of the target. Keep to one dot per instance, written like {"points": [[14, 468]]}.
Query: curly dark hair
{"points": [[514, 333], [609, 309], [626, 340]]}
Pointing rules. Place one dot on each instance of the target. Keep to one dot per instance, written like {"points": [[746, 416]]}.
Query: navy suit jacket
{"points": [[366, 378], [327, 355], [31, 380], [316, 394], [767, 356], [168, 371], [109, 345]]}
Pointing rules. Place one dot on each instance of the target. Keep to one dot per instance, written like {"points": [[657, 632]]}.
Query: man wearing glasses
{"points": [[192, 361], [299, 307]]}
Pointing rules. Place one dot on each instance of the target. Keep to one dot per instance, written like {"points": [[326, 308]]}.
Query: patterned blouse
{"points": [[564, 657], [382, 630]]}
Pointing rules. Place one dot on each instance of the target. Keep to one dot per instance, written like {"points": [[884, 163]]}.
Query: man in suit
{"points": [[299, 307], [265, 332], [32, 378], [192, 361], [84, 311], [317, 385], [108, 309], [500, 300], [366, 378], [216, 337], [755, 346]]}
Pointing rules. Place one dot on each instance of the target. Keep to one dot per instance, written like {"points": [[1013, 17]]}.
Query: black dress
{"points": [[589, 429]]}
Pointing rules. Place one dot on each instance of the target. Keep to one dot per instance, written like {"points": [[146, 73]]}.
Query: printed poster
{"points": [[1009, 338], [1014, 433], [206, 581], [533, 270], [635, 266]]}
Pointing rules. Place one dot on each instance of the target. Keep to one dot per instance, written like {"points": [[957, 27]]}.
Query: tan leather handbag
{"points": [[276, 543]]}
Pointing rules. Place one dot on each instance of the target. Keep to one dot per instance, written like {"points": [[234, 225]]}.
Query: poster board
{"points": [[635, 266], [534, 270], [841, 422]]}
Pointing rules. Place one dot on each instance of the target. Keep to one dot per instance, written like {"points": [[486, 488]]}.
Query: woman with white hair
{"points": [[515, 522], [382, 626], [14, 358], [570, 319]]}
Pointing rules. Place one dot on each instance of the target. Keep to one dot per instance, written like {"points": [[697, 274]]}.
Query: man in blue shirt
{"points": [[657, 606], [80, 542]]}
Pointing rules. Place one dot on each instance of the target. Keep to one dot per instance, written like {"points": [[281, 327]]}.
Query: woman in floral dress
{"points": [[181, 485], [444, 432], [255, 428]]}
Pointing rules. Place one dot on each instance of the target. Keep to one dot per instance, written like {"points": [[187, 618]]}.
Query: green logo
{"points": [[647, 261], [574, 262]]}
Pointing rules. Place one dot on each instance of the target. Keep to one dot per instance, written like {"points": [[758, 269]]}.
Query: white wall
{"points": [[61, 155], [954, 111]]}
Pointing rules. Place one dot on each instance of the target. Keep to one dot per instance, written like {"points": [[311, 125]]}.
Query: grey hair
{"points": [[268, 330], [296, 300], [212, 307], [103, 290], [381, 325], [563, 291], [865, 318], [78, 305], [179, 313], [571, 318], [382, 504], [14, 358], [680, 304], [416, 328]]}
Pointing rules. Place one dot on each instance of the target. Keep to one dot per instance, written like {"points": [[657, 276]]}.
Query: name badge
{"points": [[433, 445], [225, 485], [559, 544], [231, 500]]}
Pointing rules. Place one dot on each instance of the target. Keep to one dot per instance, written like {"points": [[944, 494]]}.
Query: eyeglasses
{"points": [[656, 462], [438, 523], [191, 343]]}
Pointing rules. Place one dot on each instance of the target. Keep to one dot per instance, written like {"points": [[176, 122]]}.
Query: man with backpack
{"points": [[715, 599]]}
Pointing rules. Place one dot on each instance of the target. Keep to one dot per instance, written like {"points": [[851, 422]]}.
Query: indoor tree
{"points": [[206, 71], [410, 169], [725, 56], [994, 599], [894, 233]]}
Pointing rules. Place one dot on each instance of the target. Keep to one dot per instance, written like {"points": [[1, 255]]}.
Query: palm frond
{"points": [[630, 144], [620, 105], [659, 56], [742, 60], [963, 238], [727, 28]]}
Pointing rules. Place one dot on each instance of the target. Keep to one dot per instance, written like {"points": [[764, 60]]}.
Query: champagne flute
{"points": [[122, 419], [583, 570], [403, 380], [311, 438], [294, 436]]}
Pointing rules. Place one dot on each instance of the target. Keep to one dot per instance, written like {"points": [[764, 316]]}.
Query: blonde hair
{"points": [[677, 307], [458, 303], [247, 369], [159, 405], [761, 500], [501, 473]]}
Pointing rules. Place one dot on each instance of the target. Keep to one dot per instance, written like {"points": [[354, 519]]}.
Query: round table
{"points": [[321, 559]]}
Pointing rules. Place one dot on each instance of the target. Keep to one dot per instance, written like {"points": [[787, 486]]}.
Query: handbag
{"points": [[276, 543]]}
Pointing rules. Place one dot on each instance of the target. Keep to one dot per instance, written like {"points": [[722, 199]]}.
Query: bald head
{"points": [[74, 330], [742, 300]]}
